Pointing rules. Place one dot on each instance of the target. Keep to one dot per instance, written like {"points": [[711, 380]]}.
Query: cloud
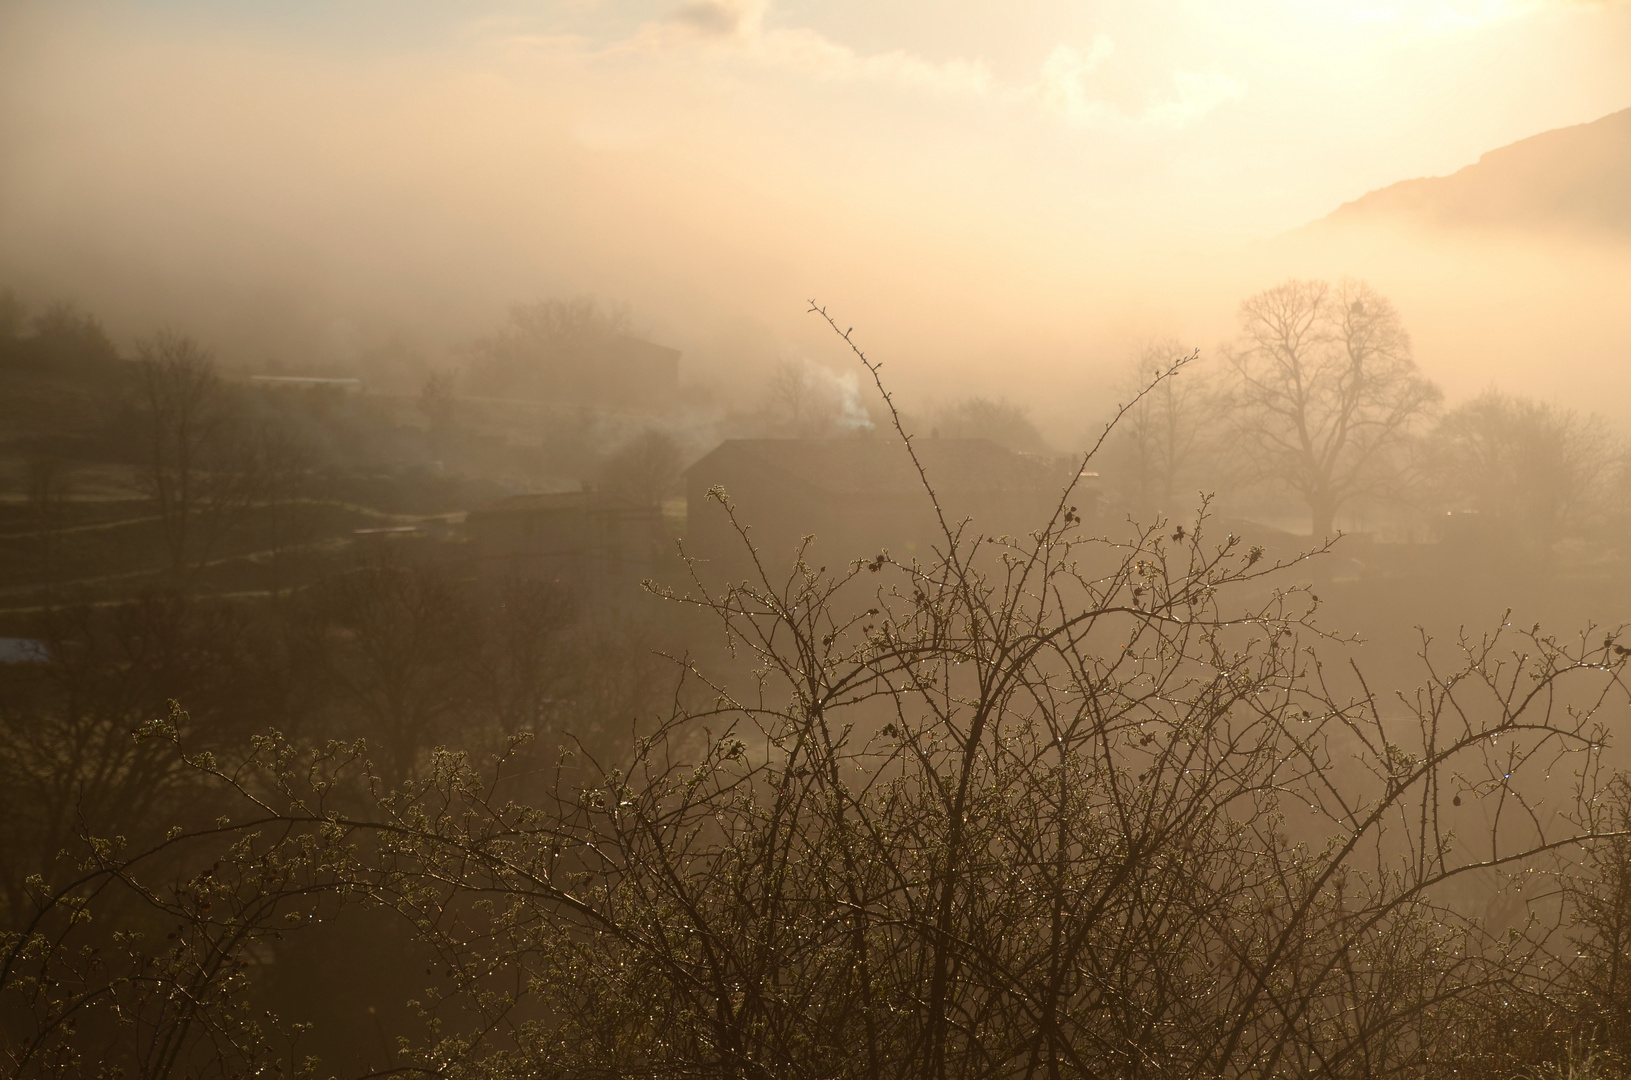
{"points": [[722, 18], [1063, 88], [1197, 94], [815, 55], [736, 30], [1062, 84]]}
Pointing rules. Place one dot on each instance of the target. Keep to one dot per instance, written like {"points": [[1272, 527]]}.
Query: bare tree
{"points": [[543, 342], [67, 760], [163, 984], [185, 418], [530, 660], [1041, 808], [1001, 421], [64, 335], [203, 469], [1325, 393], [1539, 469], [1600, 981], [801, 401], [1159, 438], [401, 648], [13, 315], [49, 484], [181, 398], [643, 469], [437, 403]]}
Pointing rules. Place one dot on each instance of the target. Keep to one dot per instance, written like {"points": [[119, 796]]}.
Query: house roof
{"points": [[881, 466]]}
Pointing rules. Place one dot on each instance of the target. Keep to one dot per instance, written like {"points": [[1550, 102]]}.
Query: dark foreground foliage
{"points": [[1037, 807]]}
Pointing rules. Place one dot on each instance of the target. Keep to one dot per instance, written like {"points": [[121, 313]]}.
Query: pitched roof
{"points": [[881, 466]]}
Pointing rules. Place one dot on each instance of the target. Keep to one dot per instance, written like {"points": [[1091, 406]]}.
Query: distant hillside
{"points": [[1574, 179]]}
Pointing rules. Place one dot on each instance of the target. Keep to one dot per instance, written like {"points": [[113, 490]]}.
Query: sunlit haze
{"points": [[745, 539], [1012, 192]]}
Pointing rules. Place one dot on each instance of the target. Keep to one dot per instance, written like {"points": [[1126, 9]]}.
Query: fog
{"points": [[761, 538], [305, 187]]}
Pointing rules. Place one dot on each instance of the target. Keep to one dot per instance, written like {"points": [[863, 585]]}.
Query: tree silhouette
{"points": [[1325, 393], [1536, 468], [1158, 441]]}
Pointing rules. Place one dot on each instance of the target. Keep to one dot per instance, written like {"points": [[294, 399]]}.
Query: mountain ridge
{"points": [[1573, 179]]}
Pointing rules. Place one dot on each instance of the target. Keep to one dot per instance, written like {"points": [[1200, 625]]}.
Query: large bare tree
{"points": [[1325, 393], [200, 467], [183, 410]]}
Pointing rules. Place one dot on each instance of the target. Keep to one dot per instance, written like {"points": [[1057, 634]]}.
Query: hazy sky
{"points": [[970, 181]]}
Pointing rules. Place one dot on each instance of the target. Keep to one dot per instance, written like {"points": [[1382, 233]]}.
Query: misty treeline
{"points": [[540, 347], [1319, 401], [1316, 410], [544, 346], [252, 550], [1062, 804], [803, 399], [383, 643]]}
